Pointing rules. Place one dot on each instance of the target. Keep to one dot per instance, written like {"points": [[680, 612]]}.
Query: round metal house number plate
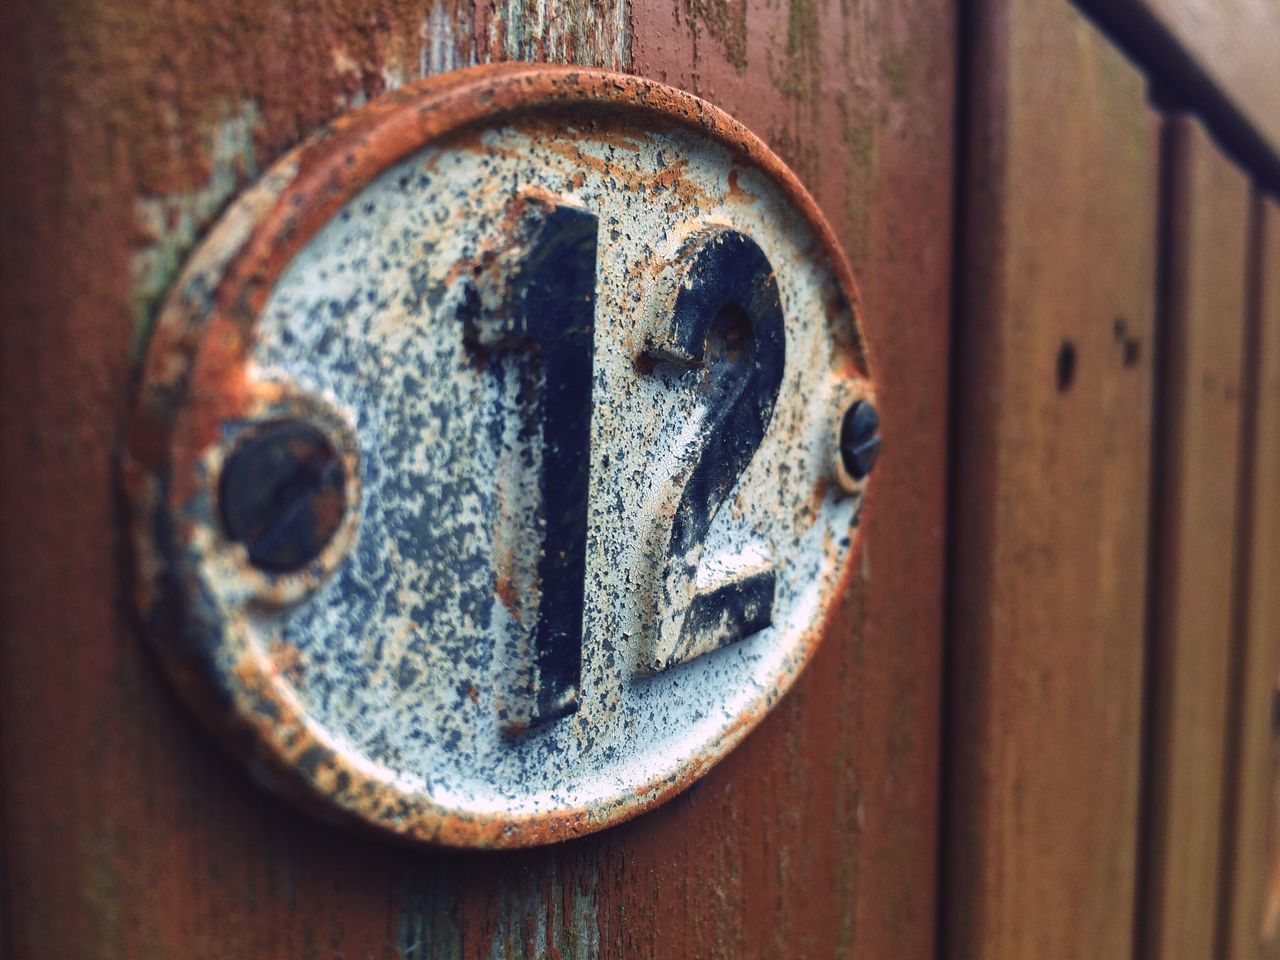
{"points": [[499, 456]]}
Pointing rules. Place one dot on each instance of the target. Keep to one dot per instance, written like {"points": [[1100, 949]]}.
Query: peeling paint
{"points": [[171, 223], [548, 915], [726, 21]]}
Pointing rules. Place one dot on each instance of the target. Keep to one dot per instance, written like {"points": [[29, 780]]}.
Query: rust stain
{"points": [[286, 659], [737, 193], [505, 587]]}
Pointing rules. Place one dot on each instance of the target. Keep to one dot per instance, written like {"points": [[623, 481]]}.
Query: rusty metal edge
{"points": [[204, 333]]}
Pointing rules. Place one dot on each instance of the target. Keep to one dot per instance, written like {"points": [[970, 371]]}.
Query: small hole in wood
{"points": [[1066, 366], [1131, 347]]}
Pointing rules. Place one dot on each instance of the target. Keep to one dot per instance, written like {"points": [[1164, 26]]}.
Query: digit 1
{"points": [[541, 301], [725, 292]]}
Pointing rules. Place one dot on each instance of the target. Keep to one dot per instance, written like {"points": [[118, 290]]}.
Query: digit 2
{"points": [[726, 296]]}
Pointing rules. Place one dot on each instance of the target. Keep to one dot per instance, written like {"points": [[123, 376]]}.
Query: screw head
{"points": [[860, 439], [282, 494]]}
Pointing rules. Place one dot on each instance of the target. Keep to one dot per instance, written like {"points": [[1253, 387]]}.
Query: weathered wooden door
{"points": [[1040, 724]]}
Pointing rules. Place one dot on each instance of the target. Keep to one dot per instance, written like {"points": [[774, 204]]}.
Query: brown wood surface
{"points": [[1202, 345], [1254, 855], [1053, 442], [125, 833], [1256, 656]]}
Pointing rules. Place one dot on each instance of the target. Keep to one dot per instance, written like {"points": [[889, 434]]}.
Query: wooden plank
{"points": [[1271, 897], [1257, 630], [1271, 901], [1202, 341], [818, 837], [1257, 660], [125, 833], [1053, 441]]}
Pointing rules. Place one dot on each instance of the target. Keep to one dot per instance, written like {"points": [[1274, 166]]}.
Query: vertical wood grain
{"points": [[1250, 782], [1202, 330], [818, 837], [129, 125], [1269, 428], [1048, 566]]}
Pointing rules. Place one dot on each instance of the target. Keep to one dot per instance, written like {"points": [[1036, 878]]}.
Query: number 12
{"points": [[726, 318]]}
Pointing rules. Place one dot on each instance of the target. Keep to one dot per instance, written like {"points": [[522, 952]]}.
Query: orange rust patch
{"points": [[736, 193], [821, 488], [287, 660]]}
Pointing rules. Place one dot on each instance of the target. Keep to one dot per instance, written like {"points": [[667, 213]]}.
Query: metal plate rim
{"points": [[206, 325]]}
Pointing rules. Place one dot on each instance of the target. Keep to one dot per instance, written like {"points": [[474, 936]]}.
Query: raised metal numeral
{"points": [[541, 301], [727, 317]]}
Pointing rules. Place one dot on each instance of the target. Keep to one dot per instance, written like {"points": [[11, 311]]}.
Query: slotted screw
{"points": [[860, 439], [282, 494]]}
